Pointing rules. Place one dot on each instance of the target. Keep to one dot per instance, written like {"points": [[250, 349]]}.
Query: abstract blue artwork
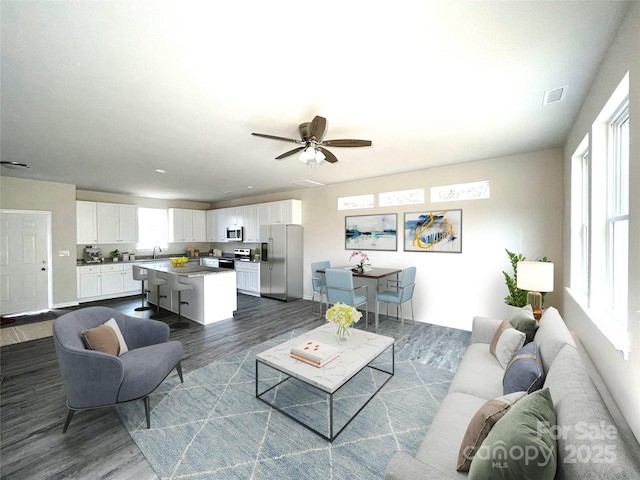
{"points": [[371, 232], [437, 231]]}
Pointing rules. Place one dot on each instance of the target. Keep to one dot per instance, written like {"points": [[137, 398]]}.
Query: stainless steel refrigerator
{"points": [[281, 261]]}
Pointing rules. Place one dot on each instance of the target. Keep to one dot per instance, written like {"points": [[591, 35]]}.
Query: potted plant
{"points": [[362, 258], [114, 254], [517, 297], [256, 254]]}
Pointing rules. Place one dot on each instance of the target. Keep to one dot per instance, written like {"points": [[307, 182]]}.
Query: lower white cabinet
{"points": [[97, 282], [248, 278]]}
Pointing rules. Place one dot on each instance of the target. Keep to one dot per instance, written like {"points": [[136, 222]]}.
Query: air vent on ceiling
{"points": [[307, 183], [554, 95]]}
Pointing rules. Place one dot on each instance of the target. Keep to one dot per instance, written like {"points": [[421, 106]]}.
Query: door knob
{"points": [[43, 269]]}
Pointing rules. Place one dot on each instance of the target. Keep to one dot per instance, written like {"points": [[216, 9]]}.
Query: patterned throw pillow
{"points": [[525, 371], [480, 426], [506, 342]]}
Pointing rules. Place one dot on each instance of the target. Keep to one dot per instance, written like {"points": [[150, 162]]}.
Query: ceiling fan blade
{"points": [[317, 127], [330, 157], [290, 152], [273, 137], [346, 143]]}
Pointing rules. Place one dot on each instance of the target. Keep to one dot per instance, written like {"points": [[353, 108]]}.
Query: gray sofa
{"points": [[584, 409]]}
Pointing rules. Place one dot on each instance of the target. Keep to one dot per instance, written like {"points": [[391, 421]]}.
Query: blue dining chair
{"points": [[339, 288], [317, 281], [402, 292]]}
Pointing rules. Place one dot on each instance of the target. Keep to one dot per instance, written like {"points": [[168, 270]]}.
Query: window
{"points": [[585, 216], [152, 228], [618, 212], [600, 219]]}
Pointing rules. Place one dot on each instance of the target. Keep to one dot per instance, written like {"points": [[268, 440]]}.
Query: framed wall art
{"points": [[436, 231], [371, 232]]}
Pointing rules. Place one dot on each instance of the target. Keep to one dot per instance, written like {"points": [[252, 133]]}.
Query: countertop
{"points": [[187, 270], [192, 260]]}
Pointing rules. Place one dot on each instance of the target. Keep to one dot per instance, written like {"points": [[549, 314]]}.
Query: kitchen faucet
{"points": [[154, 251]]}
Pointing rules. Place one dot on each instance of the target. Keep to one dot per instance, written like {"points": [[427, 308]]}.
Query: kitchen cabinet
{"points": [[284, 211], [248, 278], [212, 226], [187, 225], [86, 223], [104, 281], [117, 223], [223, 216], [251, 223], [210, 262], [89, 283], [199, 223]]}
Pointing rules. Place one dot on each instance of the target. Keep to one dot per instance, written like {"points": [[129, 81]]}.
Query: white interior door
{"points": [[24, 261]]}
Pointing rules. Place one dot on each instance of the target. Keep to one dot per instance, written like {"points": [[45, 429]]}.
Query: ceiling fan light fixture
{"points": [[320, 157]]}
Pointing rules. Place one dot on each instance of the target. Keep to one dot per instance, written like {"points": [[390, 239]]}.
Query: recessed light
{"points": [[249, 186], [161, 170]]}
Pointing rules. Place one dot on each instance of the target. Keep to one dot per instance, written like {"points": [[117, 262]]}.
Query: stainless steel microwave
{"points": [[234, 234]]}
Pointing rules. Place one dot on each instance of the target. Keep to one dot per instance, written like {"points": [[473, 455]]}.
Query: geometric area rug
{"points": [[213, 427]]}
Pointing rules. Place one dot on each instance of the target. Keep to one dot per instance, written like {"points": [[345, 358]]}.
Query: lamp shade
{"points": [[535, 276]]}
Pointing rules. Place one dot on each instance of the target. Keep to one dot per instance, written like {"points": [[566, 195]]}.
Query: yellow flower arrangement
{"points": [[343, 316]]}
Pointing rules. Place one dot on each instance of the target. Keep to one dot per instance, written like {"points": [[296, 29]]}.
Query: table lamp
{"points": [[535, 277]]}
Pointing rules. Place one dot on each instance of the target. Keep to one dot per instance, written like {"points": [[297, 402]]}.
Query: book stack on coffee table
{"points": [[314, 353]]}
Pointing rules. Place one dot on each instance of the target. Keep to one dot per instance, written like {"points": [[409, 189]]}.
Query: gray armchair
{"points": [[93, 379]]}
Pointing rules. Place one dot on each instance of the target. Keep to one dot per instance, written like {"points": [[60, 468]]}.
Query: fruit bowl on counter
{"points": [[178, 261]]}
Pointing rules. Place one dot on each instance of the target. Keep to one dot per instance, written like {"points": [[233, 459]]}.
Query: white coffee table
{"points": [[358, 352]]}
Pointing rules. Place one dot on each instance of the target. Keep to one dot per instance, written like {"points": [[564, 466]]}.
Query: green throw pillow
{"points": [[525, 322], [521, 444]]}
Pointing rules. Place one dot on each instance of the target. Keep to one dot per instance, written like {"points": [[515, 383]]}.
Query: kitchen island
{"points": [[212, 299]]}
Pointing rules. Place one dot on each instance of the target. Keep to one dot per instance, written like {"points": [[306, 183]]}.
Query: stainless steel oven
{"points": [[226, 263]]}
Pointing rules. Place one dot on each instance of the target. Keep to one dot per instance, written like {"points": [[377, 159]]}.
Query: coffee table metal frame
{"points": [[332, 436]]}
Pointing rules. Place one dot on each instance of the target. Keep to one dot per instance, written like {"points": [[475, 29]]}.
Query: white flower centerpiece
{"points": [[343, 316], [362, 257]]}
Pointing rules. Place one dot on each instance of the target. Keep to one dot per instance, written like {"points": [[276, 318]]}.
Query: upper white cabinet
{"points": [[86, 223], [212, 226], [284, 211], [117, 223], [251, 223], [199, 225], [187, 225]]}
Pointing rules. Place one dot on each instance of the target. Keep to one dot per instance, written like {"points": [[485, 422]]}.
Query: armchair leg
{"points": [[179, 369], [147, 410], [70, 413]]}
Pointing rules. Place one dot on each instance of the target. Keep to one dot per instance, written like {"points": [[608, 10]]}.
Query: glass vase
{"points": [[342, 332]]}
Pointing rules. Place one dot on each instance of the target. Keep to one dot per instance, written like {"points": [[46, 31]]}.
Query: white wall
{"points": [[60, 199], [622, 376], [523, 214]]}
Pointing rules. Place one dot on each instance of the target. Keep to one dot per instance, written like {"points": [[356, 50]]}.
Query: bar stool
{"points": [[174, 284], [153, 279], [141, 277]]}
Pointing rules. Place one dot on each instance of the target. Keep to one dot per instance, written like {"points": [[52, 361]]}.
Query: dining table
{"points": [[372, 273]]}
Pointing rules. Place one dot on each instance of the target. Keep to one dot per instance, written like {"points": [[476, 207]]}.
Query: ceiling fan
{"points": [[311, 134]]}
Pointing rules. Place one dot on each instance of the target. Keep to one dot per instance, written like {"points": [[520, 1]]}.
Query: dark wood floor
{"points": [[33, 410]]}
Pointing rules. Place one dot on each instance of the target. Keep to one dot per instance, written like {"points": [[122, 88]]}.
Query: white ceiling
{"points": [[100, 94]]}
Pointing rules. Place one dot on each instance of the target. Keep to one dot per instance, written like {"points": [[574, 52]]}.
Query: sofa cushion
{"points": [[506, 342], [551, 336], [524, 371], [521, 444], [105, 338], [588, 442], [442, 440], [525, 322], [479, 374], [480, 426]]}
